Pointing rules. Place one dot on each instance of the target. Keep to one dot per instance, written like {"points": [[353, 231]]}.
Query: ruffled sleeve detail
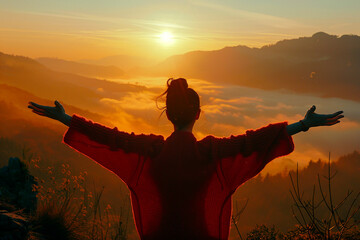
{"points": [[242, 157], [119, 152]]}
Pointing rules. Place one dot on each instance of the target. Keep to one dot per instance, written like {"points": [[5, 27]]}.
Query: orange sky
{"points": [[90, 29]]}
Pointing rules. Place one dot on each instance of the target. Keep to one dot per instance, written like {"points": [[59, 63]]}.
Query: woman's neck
{"points": [[188, 128]]}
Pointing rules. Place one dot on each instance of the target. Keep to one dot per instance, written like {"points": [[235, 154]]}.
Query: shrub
{"points": [[263, 232]]}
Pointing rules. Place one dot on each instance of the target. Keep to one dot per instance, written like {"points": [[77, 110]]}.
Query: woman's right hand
{"points": [[57, 112]]}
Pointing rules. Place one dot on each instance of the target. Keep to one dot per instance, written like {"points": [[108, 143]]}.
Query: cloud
{"points": [[116, 21], [143, 100], [121, 118], [81, 25], [278, 106], [221, 108], [264, 19], [239, 100]]}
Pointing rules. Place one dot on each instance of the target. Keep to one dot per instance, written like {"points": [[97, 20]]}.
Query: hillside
{"points": [[19, 123], [84, 92], [128, 63], [87, 70], [323, 64]]}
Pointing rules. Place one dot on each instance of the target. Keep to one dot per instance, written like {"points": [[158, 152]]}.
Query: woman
{"points": [[181, 188]]}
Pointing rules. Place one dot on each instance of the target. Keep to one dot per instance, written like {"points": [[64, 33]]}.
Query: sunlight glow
{"points": [[166, 38]]}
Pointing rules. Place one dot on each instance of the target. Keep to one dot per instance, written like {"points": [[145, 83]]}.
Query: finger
{"points": [[335, 114], [331, 123], [37, 105], [39, 113], [35, 108], [334, 118], [59, 105], [312, 109]]}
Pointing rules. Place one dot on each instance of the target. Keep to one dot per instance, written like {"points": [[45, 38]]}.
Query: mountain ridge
{"points": [[29, 75], [303, 65], [88, 70]]}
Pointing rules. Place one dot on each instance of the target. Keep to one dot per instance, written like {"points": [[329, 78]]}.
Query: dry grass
{"points": [[67, 209]]}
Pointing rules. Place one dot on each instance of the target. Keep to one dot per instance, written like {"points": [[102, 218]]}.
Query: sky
{"points": [[88, 29]]}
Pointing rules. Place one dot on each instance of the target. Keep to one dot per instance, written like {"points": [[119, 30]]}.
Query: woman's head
{"points": [[182, 103]]}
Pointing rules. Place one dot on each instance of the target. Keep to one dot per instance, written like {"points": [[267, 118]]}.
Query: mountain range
{"points": [[126, 62], [29, 75], [89, 70], [324, 65]]}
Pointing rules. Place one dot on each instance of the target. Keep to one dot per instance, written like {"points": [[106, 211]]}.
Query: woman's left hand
{"points": [[313, 119]]}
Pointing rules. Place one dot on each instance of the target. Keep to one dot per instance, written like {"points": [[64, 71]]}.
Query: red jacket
{"points": [[180, 188]]}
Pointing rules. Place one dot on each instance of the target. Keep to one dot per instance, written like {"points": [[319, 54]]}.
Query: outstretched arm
{"points": [[115, 150], [313, 119], [57, 112]]}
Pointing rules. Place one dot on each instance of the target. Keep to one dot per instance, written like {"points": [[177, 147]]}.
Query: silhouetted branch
{"points": [[235, 217], [309, 221]]}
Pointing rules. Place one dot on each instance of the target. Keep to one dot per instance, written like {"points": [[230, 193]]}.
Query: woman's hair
{"points": [[182, 102]]}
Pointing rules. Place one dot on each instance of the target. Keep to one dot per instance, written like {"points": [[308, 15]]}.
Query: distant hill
{"points": [[43, 135], [323, 64], [87, 70], [128, 63], [29, 75]]}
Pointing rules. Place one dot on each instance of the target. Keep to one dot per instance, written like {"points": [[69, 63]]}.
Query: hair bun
{"points": [[182, 102], [177, 84]]}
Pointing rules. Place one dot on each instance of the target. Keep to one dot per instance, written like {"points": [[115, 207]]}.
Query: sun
{"points": [[166, 38]]}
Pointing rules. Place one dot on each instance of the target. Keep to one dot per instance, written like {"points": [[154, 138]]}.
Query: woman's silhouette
{"points": [[181, 188]]}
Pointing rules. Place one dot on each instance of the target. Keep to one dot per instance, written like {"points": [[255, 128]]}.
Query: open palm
{"points": [[313, 119], [56, 112]]}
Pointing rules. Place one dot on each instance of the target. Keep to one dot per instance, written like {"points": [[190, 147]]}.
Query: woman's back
{"points": [[178, 178]]}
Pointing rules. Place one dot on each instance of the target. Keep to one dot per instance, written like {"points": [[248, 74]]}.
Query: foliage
{"points": [[66, 208], [323, 215], [66, 204], [263, 232], [340, 219]]}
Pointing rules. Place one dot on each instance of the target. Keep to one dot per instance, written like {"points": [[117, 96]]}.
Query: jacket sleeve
{"points": [[242, 157], [119, 152]]}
